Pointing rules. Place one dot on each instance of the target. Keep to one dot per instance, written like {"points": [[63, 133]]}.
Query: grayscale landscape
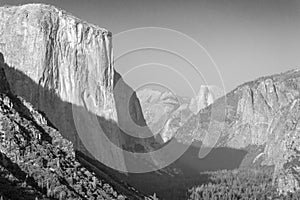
{"points": [[148, 110]]}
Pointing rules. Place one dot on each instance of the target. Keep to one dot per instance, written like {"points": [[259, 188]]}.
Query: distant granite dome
{"points": [[166, 112], [262, 113]]}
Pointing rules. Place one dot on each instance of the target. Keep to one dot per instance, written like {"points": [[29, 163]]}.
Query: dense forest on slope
{"points": [[36, 162], [244, 183]]}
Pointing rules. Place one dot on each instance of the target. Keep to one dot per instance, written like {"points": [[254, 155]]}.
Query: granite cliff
{"points": [[262, 114], [61, 64]]}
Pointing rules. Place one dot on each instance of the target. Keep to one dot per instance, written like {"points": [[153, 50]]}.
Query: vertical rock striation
{"points": [[62, 55], [63, 65]]}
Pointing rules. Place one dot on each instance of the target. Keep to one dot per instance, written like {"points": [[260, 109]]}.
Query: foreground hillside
{"points": [[37, 163]]}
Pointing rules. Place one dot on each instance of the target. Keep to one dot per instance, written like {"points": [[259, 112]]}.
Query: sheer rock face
{"points": [[265, 112], [61, 64], [269, 114], [165, 112]]}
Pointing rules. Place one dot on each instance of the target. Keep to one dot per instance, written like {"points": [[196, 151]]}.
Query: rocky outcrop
{"points": [[166, 112], [63, 66], [265, 113]]}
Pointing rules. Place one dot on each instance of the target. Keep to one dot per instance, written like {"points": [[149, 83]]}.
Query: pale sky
{"points": [[246, 38]]}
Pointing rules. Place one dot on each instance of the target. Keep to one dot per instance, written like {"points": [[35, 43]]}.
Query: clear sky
{"points": [[246, 38]]}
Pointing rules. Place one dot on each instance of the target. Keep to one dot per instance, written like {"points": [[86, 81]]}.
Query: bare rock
{"points": [[63, 66]]}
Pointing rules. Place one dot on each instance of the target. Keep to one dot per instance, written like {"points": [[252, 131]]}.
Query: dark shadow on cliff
{"points": [[169, 183], [56, 111], [62, 111]]}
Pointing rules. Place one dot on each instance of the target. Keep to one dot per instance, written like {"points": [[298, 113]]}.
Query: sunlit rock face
{"points": [[60, 54], [61, 65], [206, 96], [268, 114], [264, 112], [166, 112]]}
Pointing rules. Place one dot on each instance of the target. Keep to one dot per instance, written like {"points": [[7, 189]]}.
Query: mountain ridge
{"points": [[257, 113], [165, 112]]}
